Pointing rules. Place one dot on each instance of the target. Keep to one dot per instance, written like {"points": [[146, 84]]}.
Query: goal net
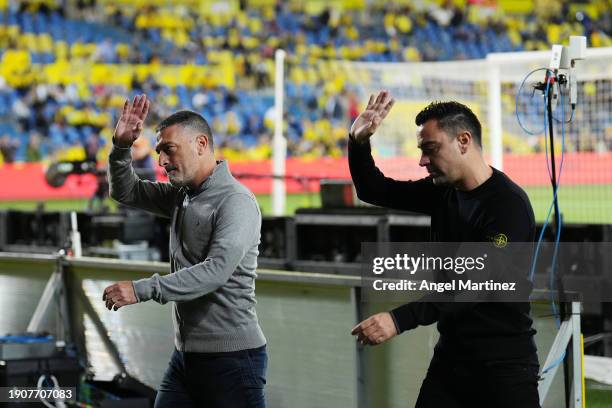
{"points": [[490, 87]]}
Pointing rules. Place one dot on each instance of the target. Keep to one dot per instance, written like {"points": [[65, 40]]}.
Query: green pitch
{"points": [[598, 395], [588, 204], [294, 201], [578, 204]]}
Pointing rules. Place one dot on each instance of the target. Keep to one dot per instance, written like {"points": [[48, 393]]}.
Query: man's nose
{"points": [[424, 161], [163, 159]]}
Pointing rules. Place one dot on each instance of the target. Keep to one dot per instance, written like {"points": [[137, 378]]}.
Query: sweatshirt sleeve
{"points": [[411, 315], [128, 189], [427, 311], [373, 187], [236, 230]]}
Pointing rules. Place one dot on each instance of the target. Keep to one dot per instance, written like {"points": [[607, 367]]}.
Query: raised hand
{"points": [[130, 124], [366, 124]]}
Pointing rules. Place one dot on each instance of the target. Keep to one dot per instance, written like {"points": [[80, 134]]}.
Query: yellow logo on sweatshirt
{"points": [[500, 240]]}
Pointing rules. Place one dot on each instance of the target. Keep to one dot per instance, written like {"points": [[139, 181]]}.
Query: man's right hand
{"points": [[130, 124], [366, 124]]}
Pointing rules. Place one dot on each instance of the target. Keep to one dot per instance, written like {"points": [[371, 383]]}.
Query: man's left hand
{"points": [[119, 294], [375, 329]]}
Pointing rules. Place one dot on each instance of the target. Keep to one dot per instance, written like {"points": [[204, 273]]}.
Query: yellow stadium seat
{"points": [[359, 52], [309, 132], [215, 20], [596, 39], [77, 50], [45, 43], [590, 89], [554, 33], [312, 77], [166, 20], [394, 45], [233, 124], [268, 13], [412, 54], [73, 153], [247, 43], [261, 152], [242, 19], [403, 24], [27, 41], [389, 20], [171, 100], [255, 25], [55, 73], [12, 59], [83, 89], [315, 51], [123, 50], [301, 50], [329, 51], [515, 37], [344, 52], [354, 4], [181, 37], [208, 42], [142, 21], [297, 75], [233, 39], [61, 50], [352, 33], [12, 31], [213, 56]]}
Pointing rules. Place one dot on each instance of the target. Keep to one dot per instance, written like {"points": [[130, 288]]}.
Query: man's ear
{"points": [[465, 140], [202, 143]]}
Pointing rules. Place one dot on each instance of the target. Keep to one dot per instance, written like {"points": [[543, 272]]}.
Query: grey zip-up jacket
{"points": [[214, 238]]}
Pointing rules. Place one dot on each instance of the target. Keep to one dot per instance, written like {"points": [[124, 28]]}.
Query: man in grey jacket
{"points": [[220, 358]]}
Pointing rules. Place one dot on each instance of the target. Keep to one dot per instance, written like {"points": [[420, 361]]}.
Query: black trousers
{"points": [[452, 383]]}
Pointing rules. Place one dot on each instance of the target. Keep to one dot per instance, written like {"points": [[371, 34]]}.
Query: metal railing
{"points": [[307, 318]]}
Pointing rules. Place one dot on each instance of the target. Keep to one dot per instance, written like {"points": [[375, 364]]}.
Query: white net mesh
{"points": [[586, 181], [414, 86]]}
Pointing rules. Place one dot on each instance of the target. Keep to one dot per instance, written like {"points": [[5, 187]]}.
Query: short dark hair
{"points": [[190, 119], [452, 117]]}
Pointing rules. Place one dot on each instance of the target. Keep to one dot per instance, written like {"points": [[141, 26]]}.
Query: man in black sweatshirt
{"points": [[486, 355]]}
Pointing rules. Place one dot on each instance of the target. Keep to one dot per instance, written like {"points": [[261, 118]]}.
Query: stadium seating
{"points": [[64, 71]]}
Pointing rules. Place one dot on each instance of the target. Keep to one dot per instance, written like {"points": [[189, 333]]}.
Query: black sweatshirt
{"points": [[479, 331]]}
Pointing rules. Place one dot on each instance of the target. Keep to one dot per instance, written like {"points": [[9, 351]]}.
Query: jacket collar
{"points": [[220, 175]]}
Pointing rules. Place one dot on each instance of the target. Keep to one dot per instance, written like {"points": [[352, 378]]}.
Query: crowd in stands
{"points": [[66, 66]]}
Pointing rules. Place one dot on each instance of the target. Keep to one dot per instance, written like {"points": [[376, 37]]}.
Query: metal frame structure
{"points": [[568, 332]]}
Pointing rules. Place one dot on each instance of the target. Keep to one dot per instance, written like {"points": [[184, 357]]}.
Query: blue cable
{"points": [[546, 220], [569, 120], [556, 363], [518, 118], [556, 188], [557, 239]]}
